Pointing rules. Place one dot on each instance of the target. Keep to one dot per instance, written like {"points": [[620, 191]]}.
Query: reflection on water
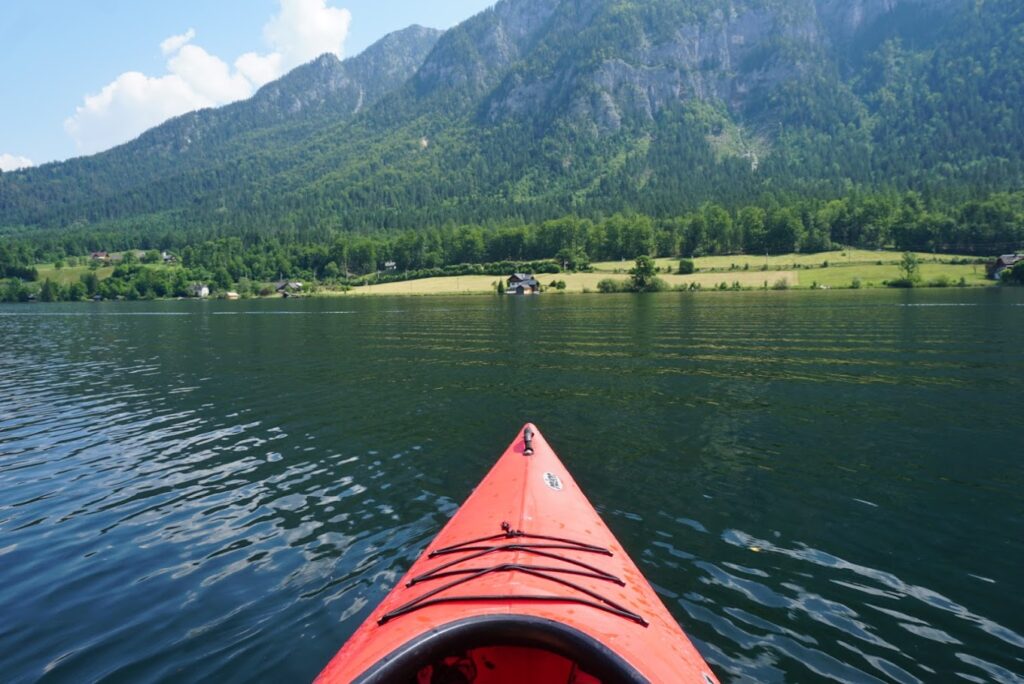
{"points": [[819, 485]]}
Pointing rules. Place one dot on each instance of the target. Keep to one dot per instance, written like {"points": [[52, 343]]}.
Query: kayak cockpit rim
{"points": [[588, 653]]}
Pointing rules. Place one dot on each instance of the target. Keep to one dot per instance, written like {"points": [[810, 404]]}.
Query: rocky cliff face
{"points": [[845, 18], [532, 54], [471, 58]]}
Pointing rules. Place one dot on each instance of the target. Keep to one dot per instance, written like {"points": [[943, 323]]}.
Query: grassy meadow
{"points": [[73, 274], [872, 275], [574, 282], [849, 257], [69, 274], [835, 269]]}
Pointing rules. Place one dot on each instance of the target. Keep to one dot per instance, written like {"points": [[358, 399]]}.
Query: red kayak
{"points": [[524, 584]]}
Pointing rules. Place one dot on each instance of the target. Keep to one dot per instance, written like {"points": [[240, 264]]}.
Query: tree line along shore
{"points": [[131, 279], [953, 241]]}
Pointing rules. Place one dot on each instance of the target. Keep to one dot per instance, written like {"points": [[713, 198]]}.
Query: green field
{"points": [[73, 274], [69, 274], [872, 275], [428, 286], [574, 282], [836, 275], [847, 257]]}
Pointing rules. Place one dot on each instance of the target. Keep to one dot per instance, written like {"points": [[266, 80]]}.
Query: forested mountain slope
{"points": [[209, 150], [539, 108]]}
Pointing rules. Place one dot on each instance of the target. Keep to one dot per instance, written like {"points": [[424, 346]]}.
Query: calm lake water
{"points": [[821, 486]]}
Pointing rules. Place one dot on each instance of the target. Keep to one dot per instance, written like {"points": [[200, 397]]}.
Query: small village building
{"points": [[522, 284], [167, 257], [100, 256], [1003, 263], [199, 290], [390, 266], [233, 295], [287, 288]]}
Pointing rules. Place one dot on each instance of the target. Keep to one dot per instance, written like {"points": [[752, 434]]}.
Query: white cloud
{"points": [[10, 162], [260, 69], [134, 102], [175, 43], [306, 29], [209, 78]]}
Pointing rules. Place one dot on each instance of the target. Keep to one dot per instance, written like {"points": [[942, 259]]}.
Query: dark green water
{"points": [[820, 485]]}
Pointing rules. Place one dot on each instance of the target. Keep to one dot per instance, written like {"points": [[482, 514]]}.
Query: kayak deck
{"points": [[516, 541], [524, 581]]}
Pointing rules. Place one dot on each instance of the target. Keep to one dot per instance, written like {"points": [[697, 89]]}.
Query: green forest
{"points": [[904, 222]]}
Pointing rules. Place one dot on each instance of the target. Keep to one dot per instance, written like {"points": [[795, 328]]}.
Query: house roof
{"points": [[1010, 259], [526, 278]]}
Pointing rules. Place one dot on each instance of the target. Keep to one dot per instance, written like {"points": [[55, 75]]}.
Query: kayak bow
{"points": [[524, 584]]}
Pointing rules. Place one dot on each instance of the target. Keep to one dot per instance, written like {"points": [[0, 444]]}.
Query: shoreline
{"points": [[744, 273], [336, 294]]}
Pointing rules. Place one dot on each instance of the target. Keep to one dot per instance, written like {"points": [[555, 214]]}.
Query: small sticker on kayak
{"points": [[552, 481]]}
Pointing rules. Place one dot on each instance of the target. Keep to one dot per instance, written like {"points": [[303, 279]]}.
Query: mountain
{"points": [[324, 91], [538, 108], [312, 96]]}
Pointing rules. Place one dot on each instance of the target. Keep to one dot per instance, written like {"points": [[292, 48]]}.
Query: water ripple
{"points": [[817, 492]]}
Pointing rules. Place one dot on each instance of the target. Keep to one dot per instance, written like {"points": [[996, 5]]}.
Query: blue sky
{"points": [[54, 54]]}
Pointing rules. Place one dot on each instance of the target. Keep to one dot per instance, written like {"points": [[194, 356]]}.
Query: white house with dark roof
{"points": [[522, 284]]}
